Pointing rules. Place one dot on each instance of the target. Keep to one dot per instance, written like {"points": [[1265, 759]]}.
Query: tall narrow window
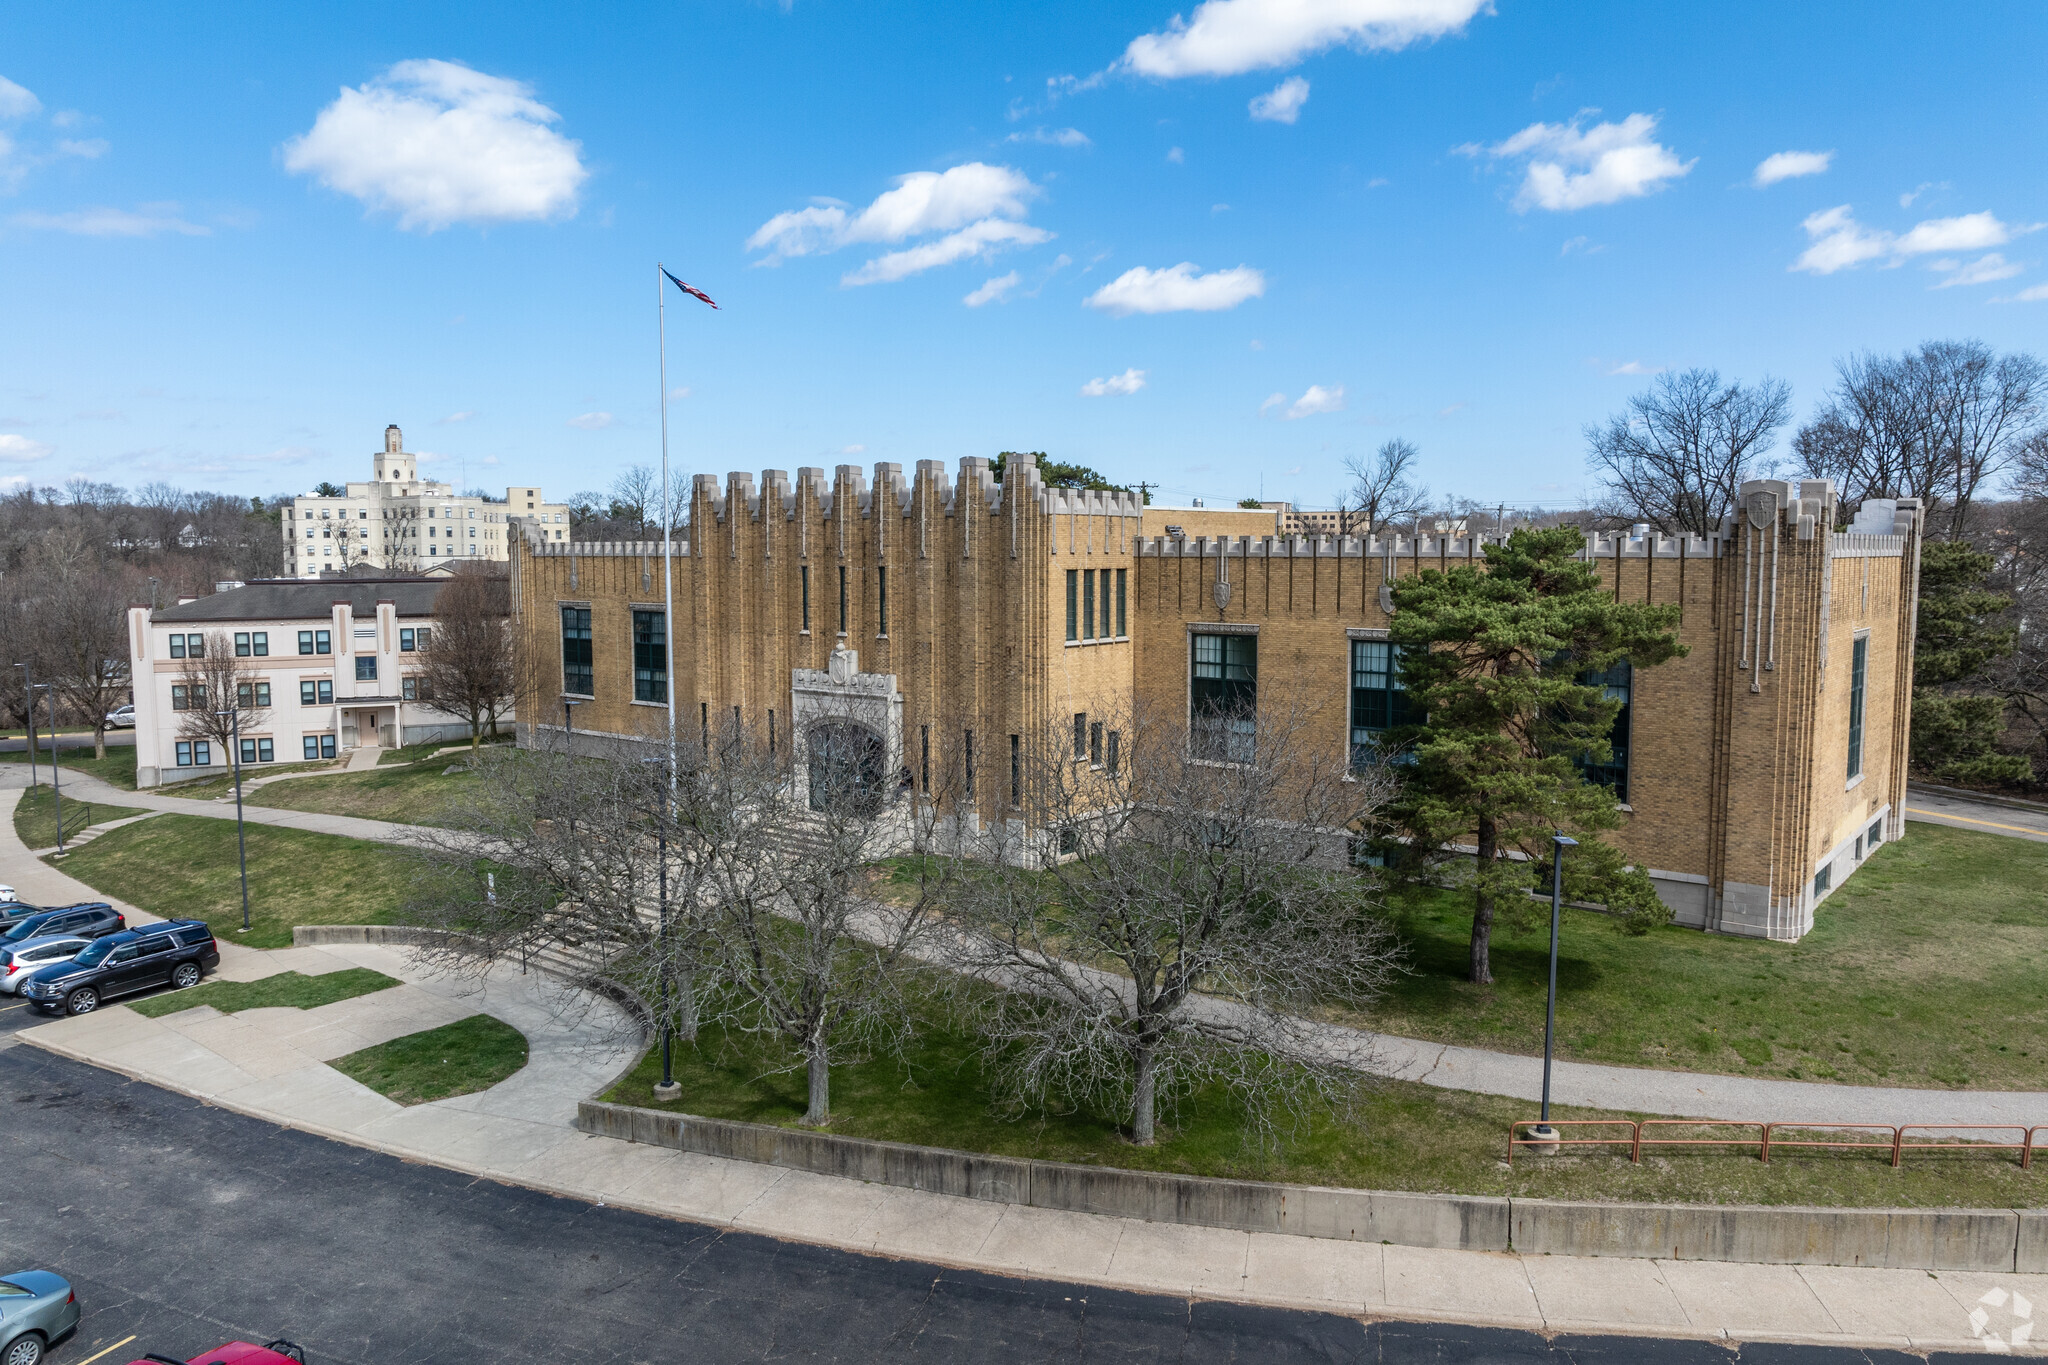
{"points": [[1122, 623], [1378, 704], [806, 576], [1859, 662], [1080, 734], [1107, 619], [704, 725], [842, 599], [1087, 604], [1116, 745], [1095, 744], [881, 601], [968, 754], [1016, 770], [771, 732], [578, 673], [1618, 684], [650, 656], [1073, 608], [1223, 696], [924, 760]]}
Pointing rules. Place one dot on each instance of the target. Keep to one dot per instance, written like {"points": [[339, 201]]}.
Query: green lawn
{"points": [[456, 1059], [413, 753], [288, 990], [185, 866], [422, 794], [1928, 967], [210, 788], [1412, 1137], [35, 817], [117, 769]]}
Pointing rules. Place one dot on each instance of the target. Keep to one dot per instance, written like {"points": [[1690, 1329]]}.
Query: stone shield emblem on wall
{"points": [[1221, 591], [1763, 508]]}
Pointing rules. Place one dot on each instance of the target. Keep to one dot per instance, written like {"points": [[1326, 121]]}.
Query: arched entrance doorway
{"points": [[845, 764]]}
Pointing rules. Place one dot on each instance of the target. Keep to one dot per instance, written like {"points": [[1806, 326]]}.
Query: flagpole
{"points": [[668, 1089]]}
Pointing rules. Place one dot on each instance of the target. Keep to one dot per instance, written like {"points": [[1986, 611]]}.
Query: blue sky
{"points": [[236, 241]]}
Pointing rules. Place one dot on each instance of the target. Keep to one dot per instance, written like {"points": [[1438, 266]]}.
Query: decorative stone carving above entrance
{"points": [[829, 700]]}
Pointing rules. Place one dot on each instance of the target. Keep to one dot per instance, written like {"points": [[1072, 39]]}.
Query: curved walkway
{"points": [[1584, 1085]]}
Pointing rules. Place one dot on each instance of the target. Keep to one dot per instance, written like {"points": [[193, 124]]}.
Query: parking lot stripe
{"points": [[115, 1347]]}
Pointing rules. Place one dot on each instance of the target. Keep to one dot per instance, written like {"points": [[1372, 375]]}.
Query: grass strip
{"points": [[425, 794], [455, 1059], [35, 817], [184, 867], [117, 769], [1412, 1136], [288, 990]]}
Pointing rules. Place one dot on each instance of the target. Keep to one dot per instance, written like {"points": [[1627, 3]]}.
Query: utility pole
{"points": [[1145, 492]]}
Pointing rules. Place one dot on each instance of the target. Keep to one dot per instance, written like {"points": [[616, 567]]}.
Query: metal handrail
{"points": [[2032, 1139]]}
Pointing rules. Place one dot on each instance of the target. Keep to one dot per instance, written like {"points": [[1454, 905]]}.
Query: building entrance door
{"points": [[845, 765]]}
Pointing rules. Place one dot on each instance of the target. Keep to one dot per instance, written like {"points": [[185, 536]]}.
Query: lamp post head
{"points": [[1564, 841]]}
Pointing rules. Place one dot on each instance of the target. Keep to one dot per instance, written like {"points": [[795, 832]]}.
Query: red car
{"points": [[279, 1352]]}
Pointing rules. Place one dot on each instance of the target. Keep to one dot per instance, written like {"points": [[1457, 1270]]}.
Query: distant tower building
{"points": [[402, 522]]}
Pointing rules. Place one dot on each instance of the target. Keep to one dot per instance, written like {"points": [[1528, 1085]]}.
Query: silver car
{"points": [[18, 960], [36, 1309]]}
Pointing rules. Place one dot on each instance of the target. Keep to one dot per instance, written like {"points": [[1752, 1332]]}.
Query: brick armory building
{"points": [[1756, 773]]}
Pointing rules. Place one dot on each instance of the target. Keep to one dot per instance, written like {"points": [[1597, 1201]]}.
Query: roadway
{"points": [[116, 739], [185, 1226]]}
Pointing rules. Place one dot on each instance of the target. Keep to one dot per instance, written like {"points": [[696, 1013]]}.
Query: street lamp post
{"points": [[666, 1089], [1558, 844], [56, 784], [28, 687], [234, 715]]}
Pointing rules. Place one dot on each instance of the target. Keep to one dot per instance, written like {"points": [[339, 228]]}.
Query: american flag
{"points": [[689, 289]]}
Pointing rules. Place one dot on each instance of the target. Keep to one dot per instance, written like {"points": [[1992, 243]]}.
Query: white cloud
{"points": [[1229, 37], [921, 202], [1281, 104], [1985, 269], [1839, 242], [1636, 367], [1130, 381], [1789, 166], [2036, 294], [977, 205], [1053, 137], [1177, 289], [994, 290], [1273, 400], [453, 417], [983, 239], [86, 149], [149, 221], [1176, 155], [1906, 199], [438, 144], [1316, 400], [1574, 168], [21, 449], [16, 101], [592, 421]]}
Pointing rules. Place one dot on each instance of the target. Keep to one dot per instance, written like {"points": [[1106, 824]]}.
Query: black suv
{"points": [[90, 920], [177, 951]]}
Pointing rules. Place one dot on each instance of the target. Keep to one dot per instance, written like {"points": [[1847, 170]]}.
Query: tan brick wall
{"points": [[1738, 751]]}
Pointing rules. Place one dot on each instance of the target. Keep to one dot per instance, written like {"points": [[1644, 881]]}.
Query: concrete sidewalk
{"points": [[348, 826], [270, 1064]]}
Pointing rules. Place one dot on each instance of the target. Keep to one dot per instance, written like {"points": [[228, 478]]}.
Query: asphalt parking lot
{"points": [[184, 1226]]}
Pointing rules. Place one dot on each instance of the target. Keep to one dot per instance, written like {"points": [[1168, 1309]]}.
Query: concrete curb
{"points": [[1916, 1239]]}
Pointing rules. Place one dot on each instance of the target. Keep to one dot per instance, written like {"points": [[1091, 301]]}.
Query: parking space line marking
{"points": [[115, 1347], [22, 1006]]}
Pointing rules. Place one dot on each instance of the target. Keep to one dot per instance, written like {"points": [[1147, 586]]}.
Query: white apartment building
{"points": [[328, 667], [403, 523]]}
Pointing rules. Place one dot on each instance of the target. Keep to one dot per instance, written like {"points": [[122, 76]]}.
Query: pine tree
{"points": [[1494, 659], [1959, 633]]}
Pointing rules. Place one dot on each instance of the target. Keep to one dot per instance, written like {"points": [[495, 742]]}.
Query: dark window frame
{"points": [[579, 664], [650, 654]]}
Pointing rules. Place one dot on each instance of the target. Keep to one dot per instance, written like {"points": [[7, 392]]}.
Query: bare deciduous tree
{"points": [[1676, 454], [1383, 489], [1160, 921], [215, 683], [1934, 424], [466, 663]]}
